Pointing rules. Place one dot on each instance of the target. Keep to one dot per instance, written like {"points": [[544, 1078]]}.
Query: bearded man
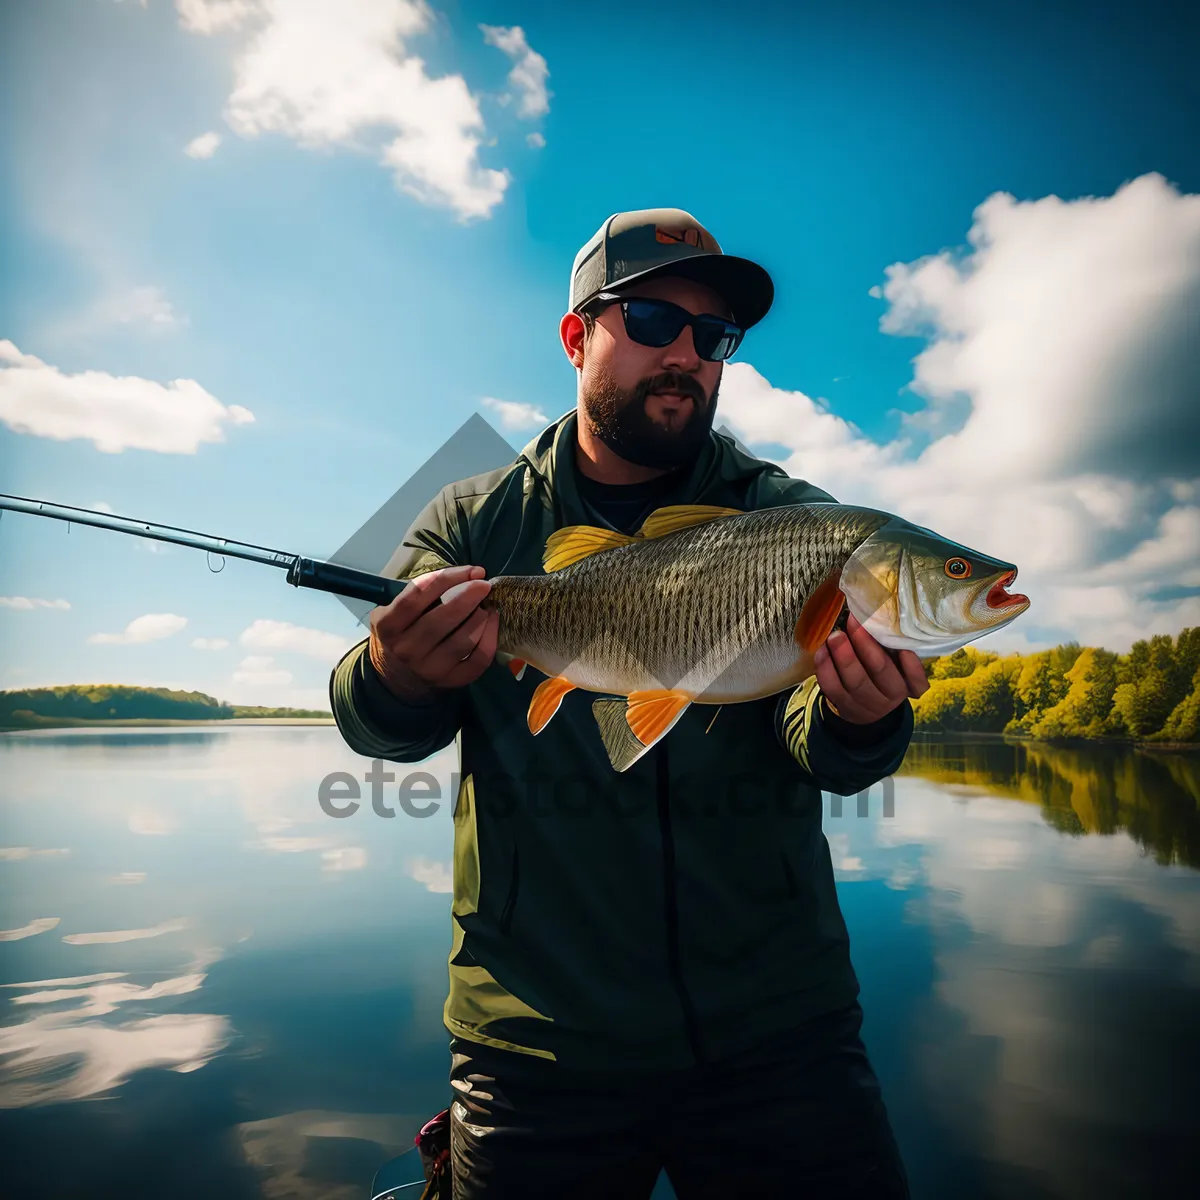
{"points": [[649, 970]]}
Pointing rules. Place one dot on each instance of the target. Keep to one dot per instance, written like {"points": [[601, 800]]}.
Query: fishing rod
{"points": [[301, 572]]}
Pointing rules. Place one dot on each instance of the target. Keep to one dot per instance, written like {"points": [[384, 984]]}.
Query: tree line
{"points": [[117, 702], [1151, 694]]}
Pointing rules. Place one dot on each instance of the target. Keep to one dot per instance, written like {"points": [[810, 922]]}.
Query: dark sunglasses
{"points": [[659, 323]]}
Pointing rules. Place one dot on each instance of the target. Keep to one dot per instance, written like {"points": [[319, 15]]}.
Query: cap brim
{"points": [[744, 285]]}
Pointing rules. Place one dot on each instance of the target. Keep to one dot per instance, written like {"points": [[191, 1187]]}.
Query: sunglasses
{"points": [[659, 322]]}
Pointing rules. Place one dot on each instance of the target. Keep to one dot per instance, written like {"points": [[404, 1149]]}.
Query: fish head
{"points": [[913, 589]]}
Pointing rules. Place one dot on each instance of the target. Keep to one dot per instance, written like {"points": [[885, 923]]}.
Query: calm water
{"points": [[211, 988]]}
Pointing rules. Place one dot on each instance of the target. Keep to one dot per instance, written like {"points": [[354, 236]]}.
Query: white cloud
{"points": [[108, 937], [144, 305], [213, 16], [529, 73], [255, 671], [113, 412], [101, 506], [203, 643], [332, 74], [32, 929], [204, 146], [436, 876], [1060, 419], [291, 845], [27, 603], [344, 858], [151, 627], [129, 877], [264, 634], [536, 140], [516, 414]]}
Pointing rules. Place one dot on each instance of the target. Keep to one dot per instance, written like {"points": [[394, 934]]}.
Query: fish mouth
{"points": [[997, 597]]}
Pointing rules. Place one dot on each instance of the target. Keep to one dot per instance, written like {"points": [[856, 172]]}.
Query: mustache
{"points": [[673, 381]]}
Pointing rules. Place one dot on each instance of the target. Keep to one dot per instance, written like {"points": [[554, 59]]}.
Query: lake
{"points": [[211, 988]]}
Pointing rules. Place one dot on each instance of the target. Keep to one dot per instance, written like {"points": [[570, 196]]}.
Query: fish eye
{"points": [[958, 568]]}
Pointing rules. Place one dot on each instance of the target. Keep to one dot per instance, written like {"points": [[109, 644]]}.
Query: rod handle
{"points": [[344, 581]]}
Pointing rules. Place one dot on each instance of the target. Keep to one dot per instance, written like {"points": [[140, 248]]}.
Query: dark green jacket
{"points": [[679, 912]]}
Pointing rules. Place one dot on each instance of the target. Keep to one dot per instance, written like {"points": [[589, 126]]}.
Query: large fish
{"points": [[709, 605]]}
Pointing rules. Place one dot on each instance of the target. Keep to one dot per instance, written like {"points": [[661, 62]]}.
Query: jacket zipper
{"points": [[671, 903]]}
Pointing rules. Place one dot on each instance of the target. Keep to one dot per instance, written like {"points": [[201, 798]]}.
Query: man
{"points": [[649, 969]]}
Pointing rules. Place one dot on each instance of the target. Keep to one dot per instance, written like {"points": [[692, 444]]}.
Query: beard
{"points": [[618, 417]]}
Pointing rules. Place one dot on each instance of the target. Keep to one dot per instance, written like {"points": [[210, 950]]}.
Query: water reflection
{"points": [[1155, 797], [247, 993]]}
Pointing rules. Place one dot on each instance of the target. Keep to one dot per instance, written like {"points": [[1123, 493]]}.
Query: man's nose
{"points": [[681, 354]]}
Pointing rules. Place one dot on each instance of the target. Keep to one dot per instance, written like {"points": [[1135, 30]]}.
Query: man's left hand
{"points": [[861, 681]]}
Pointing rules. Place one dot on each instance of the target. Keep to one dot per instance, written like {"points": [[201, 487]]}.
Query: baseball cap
{"points": [[650, 242]]}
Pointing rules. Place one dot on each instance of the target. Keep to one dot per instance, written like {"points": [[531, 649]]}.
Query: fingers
{"points": [[480, 658], [914, 673], [418, 596], [852, 675]]}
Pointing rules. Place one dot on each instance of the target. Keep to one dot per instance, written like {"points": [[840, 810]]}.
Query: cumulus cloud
{"points": [[280, 635], [115, 413], [516, 414], [536, 140], [28, 603], [530, 72], [436, 876], [1059, 423], [151, 627], [202, 643], [331, 74], [204, 146]]}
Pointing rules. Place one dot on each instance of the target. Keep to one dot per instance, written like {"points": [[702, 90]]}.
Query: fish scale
{"points": [[720, 596]]}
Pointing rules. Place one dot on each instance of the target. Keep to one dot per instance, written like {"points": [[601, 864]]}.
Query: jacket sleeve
{"points": [[837, 755], [369, 717]]}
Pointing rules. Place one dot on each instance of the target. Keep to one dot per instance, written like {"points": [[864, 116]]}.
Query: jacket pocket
{"points": [[506, 914]]}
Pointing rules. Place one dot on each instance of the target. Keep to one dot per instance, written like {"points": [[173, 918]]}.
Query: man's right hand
{"points": [[419, 644]]}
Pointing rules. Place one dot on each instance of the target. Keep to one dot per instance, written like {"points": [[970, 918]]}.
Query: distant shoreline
{"points": [[136, 722], [941, 735]]}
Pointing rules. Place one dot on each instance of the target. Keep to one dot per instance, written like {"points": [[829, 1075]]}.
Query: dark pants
{"points": [[799, 1117]]}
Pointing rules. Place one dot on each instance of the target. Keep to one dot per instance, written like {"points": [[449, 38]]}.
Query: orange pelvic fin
{"points": [[651, 714], [547, 696], [680, 516], [819, 615], [568, 545], [517, 667]]}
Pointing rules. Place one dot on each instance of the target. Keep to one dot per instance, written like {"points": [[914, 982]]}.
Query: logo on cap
{"points": [[690, 236]]}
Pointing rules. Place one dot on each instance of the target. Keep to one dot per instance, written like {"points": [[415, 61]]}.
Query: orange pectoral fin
{"points": [[651, 714], [819, 615], [547, 696], [517, 667]]}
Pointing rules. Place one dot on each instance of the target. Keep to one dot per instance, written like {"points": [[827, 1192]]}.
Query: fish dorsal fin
{"points": [[568, 545], [820, 613], [620, 742], [679, 516]]}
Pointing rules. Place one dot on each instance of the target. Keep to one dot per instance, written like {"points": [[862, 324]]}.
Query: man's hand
{"points": [[419, 644], [861, 681]]}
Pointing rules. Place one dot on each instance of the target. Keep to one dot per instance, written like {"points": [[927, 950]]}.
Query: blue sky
{"points": [[361, 312]]}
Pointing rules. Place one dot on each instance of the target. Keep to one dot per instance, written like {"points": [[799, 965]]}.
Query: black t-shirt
{"points": [[626, 505]]}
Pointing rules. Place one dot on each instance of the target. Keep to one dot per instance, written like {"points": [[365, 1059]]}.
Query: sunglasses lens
{"points": [[716, 340], [653, 323]]}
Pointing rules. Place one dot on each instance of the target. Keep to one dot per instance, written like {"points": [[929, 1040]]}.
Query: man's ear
{"points": [[572, 332]]}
